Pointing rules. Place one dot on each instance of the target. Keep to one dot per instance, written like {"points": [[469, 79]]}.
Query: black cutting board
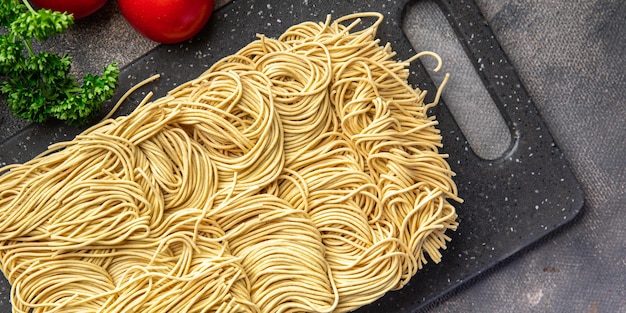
{"points": [[510, 202]]}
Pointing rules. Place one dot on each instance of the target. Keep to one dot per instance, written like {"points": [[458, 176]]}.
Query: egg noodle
{"points": [[301, 174]]}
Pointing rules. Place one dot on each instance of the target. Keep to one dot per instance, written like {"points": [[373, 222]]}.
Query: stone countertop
{"points": [[570, 57]]}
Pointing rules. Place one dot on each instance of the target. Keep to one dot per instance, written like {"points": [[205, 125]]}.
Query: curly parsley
{"points": [[39, 86]]}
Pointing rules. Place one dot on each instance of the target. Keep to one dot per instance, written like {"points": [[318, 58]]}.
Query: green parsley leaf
{"points": [[39, 86]]}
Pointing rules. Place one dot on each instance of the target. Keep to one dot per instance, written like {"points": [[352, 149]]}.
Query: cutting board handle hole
{"points": [[465, 95]]}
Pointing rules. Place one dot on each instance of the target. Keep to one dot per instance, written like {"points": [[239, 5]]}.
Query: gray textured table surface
{"points": [[570, 56]]}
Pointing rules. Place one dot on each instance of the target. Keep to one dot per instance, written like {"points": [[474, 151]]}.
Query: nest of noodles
{"points": [[301, 174]]}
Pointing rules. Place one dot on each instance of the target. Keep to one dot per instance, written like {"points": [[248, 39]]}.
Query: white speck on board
{"points": [[535, 297]]}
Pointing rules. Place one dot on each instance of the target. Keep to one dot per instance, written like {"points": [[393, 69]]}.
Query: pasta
{"points": [[301, 174]]}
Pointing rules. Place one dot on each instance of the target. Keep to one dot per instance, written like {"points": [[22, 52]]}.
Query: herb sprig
{"points": [[39, 86]]}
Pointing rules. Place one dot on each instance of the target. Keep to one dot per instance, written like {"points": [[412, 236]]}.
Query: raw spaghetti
{"points": [[301, 174]]}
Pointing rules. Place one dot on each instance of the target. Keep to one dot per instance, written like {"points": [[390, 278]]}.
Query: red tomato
{"points": [[80, 8], [167, 21]]}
